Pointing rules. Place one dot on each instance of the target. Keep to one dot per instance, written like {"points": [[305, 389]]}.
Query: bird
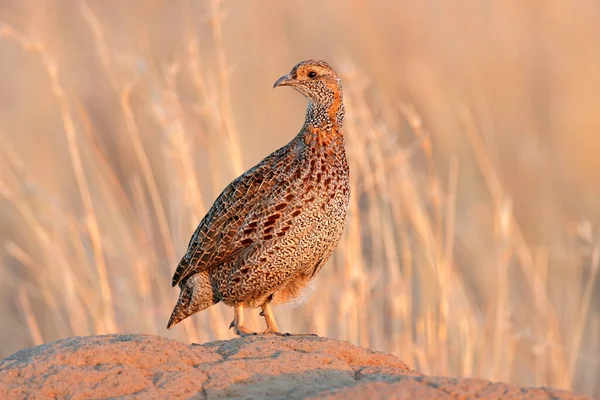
{"points": [[273, 228]]}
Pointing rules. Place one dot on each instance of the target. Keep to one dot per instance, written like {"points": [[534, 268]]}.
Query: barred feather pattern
{"points": [[273, 228]]}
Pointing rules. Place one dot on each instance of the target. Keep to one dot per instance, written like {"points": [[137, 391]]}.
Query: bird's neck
{"points": [[324, 121]]}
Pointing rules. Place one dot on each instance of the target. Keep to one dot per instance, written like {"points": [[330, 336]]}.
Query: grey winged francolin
{"points": [[273, 228]]}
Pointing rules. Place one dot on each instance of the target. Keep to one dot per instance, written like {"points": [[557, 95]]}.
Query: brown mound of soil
{"points": [[257, 367]]}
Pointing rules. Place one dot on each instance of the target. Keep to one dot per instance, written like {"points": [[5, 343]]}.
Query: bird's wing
{"points": [[231, 225]]}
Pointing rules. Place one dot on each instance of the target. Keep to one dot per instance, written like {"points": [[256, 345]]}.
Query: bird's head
{"points": [[314, 79]]}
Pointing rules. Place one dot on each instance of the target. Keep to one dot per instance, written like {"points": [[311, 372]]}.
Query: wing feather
{"points": [[224, 232]]}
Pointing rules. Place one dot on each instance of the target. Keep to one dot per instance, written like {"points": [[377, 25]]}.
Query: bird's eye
{"points": [[312, 74]]}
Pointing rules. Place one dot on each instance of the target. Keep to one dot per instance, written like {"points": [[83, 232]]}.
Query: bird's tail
{"points": [[196, 295]]}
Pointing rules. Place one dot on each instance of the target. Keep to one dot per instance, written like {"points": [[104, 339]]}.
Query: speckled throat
{"points": [[323, 125], [328, 112]]}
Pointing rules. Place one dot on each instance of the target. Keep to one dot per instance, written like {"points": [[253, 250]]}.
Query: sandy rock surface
{"points": [[258, 367]]}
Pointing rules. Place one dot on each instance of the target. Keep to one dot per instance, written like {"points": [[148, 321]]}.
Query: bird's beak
{"points": [[285, 80]]}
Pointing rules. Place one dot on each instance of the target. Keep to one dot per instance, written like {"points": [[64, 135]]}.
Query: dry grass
{"points": [[472, 247]]}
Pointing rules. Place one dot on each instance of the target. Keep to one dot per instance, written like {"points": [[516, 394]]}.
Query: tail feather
{"points": [[179, 311], [196, 295], [183, 269]]}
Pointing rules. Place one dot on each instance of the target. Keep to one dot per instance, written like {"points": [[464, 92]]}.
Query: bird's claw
{"points": [[270, 331], [243, 331]]}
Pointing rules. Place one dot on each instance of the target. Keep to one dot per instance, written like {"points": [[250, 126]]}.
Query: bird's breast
{"points": [[326, 184]]}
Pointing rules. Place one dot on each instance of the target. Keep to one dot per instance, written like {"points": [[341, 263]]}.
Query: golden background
{"points": [[473, 134]]}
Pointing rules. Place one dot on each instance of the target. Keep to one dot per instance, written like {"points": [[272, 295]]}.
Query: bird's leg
{"points": [[238, 322], [267, 312]]}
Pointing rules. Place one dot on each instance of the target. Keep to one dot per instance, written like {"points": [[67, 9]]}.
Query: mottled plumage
{"points": [[272, 229]]}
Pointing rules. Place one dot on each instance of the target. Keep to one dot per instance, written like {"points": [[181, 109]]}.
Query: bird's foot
{"points": [[270, 331], [243, 331], [298, 334], [238, 322]]}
